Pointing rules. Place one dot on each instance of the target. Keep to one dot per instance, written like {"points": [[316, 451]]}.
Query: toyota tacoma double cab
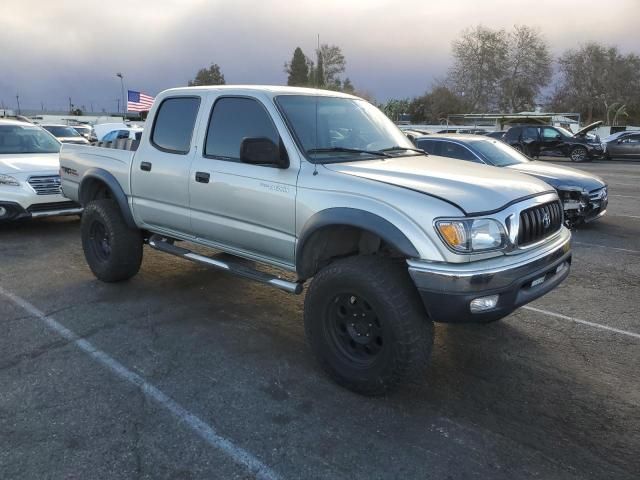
{"points": [[324, 187]]}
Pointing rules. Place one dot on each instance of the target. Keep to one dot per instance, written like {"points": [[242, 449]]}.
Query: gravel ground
{"points": [[185, 373]]}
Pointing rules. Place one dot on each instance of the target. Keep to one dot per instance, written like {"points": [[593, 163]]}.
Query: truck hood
{"points": [[473, 188], [559, 177], [29, 163]]}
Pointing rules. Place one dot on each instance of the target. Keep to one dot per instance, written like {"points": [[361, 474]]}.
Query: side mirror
{"points": [[558, 137], [263, 151], [619, 140]]}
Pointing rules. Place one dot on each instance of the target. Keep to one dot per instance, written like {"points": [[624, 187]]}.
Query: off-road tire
{"points": [[395, 314], [578, 154], [112, 249]]}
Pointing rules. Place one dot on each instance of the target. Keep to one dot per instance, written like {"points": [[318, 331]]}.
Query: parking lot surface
{"points": [[188, 373]]}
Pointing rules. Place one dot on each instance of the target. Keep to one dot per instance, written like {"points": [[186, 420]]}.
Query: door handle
{"points": [[202, 177], [146, 166]]}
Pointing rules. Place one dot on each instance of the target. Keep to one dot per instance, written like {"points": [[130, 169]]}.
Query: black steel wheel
{"points": [[353, 329], [113, 250], [366, 325], [99, 241]]}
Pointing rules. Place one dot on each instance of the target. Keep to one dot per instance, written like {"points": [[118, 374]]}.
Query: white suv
{"points": [[29, 173]]}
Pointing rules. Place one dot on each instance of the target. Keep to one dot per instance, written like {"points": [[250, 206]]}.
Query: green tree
{"points": [[528, 69], [297, 69], [208, 76], [434, 106], [593, 78], [480, 63], [319, 71], [333, 63], [347, 86]]}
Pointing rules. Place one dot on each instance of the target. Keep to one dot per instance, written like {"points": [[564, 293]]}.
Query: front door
{"points": [[240, 207], [161, 167]]}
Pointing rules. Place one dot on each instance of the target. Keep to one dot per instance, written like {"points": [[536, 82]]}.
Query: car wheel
{"points": [[366, 325], [578, 154], [113, 250]]}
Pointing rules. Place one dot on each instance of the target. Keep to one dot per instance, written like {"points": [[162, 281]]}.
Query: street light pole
{"points": [[124, 105]]}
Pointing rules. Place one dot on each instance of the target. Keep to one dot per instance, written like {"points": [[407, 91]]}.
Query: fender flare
{"points": [[353, 217], [114, 186]]}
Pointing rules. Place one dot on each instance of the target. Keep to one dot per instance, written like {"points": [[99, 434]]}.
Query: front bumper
{"points": [[23, 201], [447, 289]]}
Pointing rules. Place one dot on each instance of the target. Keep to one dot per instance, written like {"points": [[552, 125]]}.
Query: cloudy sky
{"points": [[51, 50]]}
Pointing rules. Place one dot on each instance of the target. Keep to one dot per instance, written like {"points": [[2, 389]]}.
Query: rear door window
{"points": [[453, 150], [530, 133], [174, 122]]}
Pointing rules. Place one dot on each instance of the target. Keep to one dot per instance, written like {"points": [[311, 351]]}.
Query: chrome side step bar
{"points": [[161, 243]]}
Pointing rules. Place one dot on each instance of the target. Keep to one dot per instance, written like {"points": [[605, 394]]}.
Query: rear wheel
{"points": [[578, 154], [366, 325], [113, 250]]}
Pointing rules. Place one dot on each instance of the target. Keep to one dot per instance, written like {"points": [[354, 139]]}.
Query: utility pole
{"points": [[18, 102], [118, 101], [70, 106], [41, 105]]}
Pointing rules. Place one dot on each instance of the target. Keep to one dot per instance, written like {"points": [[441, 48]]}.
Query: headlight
{"points": [[473, 235], [7, 180]]}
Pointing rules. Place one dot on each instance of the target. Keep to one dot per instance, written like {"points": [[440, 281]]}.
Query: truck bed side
{"points": [[78, 160]]}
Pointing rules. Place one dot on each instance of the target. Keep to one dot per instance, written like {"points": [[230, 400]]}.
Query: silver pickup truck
{"points": [[323, 186]]}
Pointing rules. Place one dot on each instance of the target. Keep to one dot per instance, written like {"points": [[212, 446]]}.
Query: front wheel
{"points": [[366, 324], [113, 250], [578, 154]]}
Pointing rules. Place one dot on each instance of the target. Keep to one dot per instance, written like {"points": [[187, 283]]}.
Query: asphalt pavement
{"points": [[188, 373]]}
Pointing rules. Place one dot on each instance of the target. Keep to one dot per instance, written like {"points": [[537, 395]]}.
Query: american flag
{"points": [[138, 101]]}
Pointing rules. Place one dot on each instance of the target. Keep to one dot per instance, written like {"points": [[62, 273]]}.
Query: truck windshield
{"points": [[337, 129], [26, 139]]}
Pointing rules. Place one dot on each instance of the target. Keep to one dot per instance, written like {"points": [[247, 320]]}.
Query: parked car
{"points": [[536, 140], [584, 196], [65, 134], [102, 129], [622, 145], [322, 184], [498, 135], [86, 131], [29, 173], [132, 133]]}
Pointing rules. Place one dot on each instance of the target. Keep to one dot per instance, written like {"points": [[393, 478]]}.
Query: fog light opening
{"points": [[482, 304], [3, 212]]}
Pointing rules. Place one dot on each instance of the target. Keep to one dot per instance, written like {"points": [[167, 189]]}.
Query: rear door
{"points": [[552, 140], [161, 166], [243, 208]]}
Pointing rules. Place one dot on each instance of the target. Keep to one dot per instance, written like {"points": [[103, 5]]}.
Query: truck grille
{"points": [[539, 222], [46, 185]]}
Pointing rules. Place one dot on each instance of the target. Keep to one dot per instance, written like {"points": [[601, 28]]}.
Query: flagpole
{"points": [[125, 108]]}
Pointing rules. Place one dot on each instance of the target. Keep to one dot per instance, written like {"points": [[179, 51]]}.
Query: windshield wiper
{"points": [[378, 153], [398, 147]]}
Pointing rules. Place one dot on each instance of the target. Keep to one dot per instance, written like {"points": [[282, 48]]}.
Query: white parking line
{"points": [[623, 196], [205, 431], [583, 322], [626, 250], [627, 216]]}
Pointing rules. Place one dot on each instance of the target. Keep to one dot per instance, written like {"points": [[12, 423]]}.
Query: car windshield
{"points": [[498, 153], [26, 139], [61, 131], [337, 129]]}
